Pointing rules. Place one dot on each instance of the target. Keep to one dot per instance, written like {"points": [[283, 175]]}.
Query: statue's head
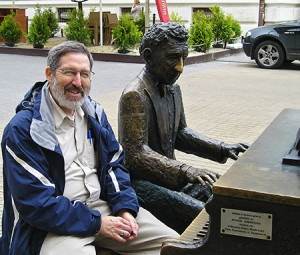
{"points": [[164, 49]]}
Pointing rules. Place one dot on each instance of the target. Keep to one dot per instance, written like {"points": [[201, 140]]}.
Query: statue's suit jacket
{"points": [[151, 126]]}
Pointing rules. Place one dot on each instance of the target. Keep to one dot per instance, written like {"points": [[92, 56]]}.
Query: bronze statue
{"points": [[152, 125]]}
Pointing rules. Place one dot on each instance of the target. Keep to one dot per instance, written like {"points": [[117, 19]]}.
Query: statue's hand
{"points": [[195, 175], [232, 150]]}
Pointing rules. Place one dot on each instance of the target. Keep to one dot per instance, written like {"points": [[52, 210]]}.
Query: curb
{"points": [[122, 57]]}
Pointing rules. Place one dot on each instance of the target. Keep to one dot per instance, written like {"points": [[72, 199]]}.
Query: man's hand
{"points": [[232, 150], [194, 175], [120, 228], [133, 224]]}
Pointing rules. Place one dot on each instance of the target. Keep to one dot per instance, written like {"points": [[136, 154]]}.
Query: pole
{"points": [[147, 15], [261, 15], [101, 21], [13, 3]]}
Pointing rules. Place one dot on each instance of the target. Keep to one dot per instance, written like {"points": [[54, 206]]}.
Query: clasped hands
{"points": [[204, 176], [122, 227]]}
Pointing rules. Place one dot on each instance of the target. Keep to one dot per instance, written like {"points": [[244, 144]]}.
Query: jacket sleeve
{"points": [[34, 192], [115, 180]]}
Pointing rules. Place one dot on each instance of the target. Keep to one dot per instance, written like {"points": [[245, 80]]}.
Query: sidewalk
{"points": [[231, 103]]}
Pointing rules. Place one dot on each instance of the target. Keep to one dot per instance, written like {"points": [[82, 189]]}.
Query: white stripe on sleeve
{"points": [[114, 179], [111, 172], [30, 169]]}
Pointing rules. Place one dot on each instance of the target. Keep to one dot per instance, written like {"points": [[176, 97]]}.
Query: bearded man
{"points": [[65, 188]]}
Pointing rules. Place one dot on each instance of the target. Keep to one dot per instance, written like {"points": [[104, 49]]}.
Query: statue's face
{"points": [[167, 61]]}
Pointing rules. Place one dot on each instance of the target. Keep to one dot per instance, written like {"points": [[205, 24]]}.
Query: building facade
{"points": [[249, 13]]}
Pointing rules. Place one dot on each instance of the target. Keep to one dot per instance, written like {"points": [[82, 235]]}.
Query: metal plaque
{"points": [[246, 223]]}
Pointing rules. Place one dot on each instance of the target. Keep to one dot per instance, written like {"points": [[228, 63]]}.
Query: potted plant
{"points": [[39, 31], [221, 26], [140, 22], [126, 35], [201, 35], [52, 21], [10, 30], [236, 28], [77, 28]]}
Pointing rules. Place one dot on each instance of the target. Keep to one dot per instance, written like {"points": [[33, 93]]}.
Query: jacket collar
{"points": [[42, 129]]}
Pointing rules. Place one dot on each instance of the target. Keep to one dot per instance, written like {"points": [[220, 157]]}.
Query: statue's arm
{"points": [[192, 142], [189, 141], [140, 159]]}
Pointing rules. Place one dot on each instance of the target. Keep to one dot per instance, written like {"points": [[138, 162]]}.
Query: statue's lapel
{"points": [[161, 112], [177, 100]]}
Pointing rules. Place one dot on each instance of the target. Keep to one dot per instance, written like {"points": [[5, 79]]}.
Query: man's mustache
{"points": [[71, 87]]}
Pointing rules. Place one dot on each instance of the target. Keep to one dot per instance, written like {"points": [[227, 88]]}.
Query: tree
{"points": [[140, 22], [236, 28], [174, 17], [39, 31], [52, 21], [77, 28], [10, 30], [126, 34], [221, 26], [201, 35]]}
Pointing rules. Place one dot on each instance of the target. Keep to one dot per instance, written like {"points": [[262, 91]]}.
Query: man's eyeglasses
{"points": [[85, 75]]}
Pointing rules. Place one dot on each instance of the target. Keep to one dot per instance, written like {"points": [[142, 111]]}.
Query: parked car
{"points": [[272, 45]]}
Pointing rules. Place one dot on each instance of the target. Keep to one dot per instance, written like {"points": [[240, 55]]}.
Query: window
{"points": [[63, 15], [207, 11], [125, 10]]}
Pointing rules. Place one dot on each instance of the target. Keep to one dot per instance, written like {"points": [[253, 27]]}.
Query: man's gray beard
{"points": [[63, 101]]}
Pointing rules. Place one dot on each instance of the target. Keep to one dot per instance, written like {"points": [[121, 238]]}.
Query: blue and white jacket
{"points": [[34, 176]]}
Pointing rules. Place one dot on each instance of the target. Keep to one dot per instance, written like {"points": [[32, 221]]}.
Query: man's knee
{"points": [[60, 245]]}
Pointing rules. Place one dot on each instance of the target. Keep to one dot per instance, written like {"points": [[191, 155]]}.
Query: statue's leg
{"points": [[175, 209]]}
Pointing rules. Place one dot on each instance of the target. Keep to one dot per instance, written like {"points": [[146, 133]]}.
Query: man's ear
{"points": [[48, 73], [147, 56]]}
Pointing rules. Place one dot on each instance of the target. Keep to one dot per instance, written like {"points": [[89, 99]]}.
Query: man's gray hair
{"points": [[163, 32], [55, 54]]}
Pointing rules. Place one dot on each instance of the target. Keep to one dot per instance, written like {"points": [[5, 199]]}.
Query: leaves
{"points": [[78, 29], [126, 34], [10, 30], [39, 31], [201, 35]]}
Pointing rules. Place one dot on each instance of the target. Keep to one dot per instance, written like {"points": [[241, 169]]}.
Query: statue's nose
{"points": [[179, 66]]}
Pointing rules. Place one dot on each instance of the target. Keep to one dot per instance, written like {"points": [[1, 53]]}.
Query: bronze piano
{"points": [[255, 207]]}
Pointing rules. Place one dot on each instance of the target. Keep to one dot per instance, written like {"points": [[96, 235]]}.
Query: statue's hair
{"points": [[163, 32], [55, 54]]}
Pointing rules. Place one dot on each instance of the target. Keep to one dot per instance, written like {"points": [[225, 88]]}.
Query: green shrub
{"points": [[236, 28], [52, 21], [174, 17], [201, 35], [140, 22], [10, 30], [78, 28], [39, 31], [126, 35], [221, 26]]}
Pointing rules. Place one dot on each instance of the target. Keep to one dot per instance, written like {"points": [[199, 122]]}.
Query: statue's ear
{"points": [[147, 56]]}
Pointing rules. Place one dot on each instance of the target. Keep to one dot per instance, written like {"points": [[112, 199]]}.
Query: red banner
{"points": [[163, 10]]}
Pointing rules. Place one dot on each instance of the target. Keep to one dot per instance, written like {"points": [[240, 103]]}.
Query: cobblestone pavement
{"points": [[225, 100]]}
